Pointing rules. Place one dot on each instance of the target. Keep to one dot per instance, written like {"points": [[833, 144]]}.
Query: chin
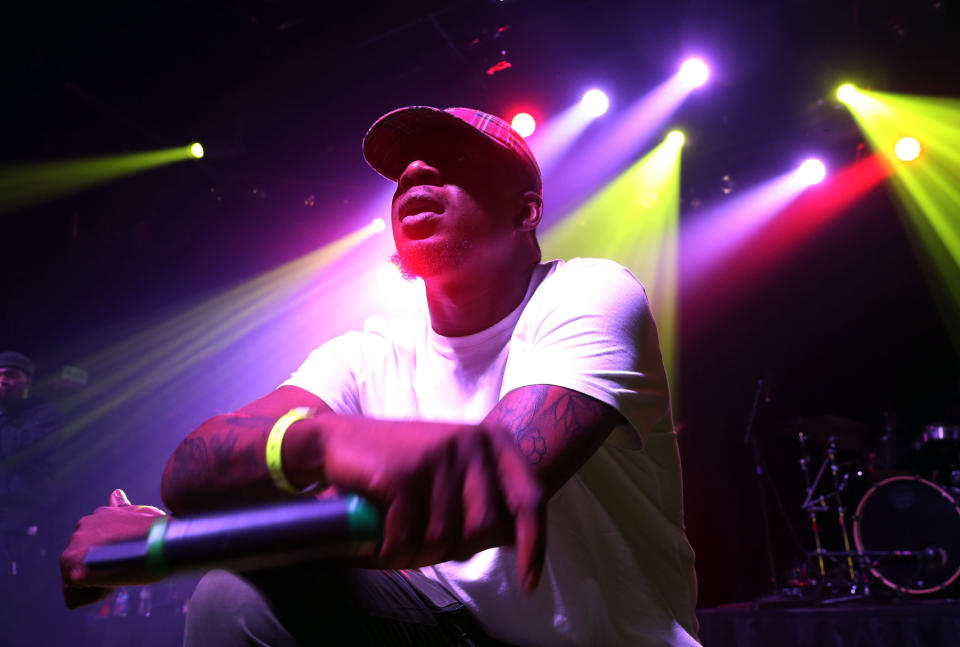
{"points": [[430, 259]]}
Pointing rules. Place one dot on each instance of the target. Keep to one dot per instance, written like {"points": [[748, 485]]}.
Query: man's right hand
{"points": [[447, 490], [120, 521]]}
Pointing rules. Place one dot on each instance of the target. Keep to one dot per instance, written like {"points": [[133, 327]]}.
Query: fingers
{"points": [[445, 526], [528, 506], [118, 498], [486, 520], [403, 529], [77, 597]]}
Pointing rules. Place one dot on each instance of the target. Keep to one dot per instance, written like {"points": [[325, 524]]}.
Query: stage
{"points": [[909, 623]]}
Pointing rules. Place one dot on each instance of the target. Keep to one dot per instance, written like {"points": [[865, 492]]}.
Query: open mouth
{"points": [[418, 203]]}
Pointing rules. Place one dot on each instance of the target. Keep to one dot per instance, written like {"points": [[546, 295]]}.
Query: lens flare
{"points": [[846, 93], [595, 102], [675, 138], [524, 124], [907, 149], [196, 150], [812, 171], [694, 73]]}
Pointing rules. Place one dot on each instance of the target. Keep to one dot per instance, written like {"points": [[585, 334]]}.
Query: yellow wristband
{"points": [[275, 444]]}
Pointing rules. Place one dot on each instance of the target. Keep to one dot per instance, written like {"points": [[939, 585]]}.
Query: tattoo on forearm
{"points": [[518, 413], [198, 459], [533, 413]]}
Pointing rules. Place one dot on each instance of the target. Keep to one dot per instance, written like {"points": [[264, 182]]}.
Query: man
{"points": [[29, 436], [519, 382]]}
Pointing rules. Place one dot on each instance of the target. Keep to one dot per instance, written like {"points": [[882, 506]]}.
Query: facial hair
{"points": [[427, 260]]}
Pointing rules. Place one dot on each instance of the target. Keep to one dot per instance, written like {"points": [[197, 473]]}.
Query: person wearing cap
{"points": [[29, 435], [517, 384]]}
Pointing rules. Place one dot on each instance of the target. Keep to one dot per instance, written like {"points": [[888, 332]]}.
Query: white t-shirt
{"points": [[619, 569]]}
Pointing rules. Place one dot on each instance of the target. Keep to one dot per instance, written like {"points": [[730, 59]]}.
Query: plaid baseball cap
{"points": [[13, 359], [387, 142]]}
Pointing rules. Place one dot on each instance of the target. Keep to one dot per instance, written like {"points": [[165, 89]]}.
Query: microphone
{"points": [[248, 538]]}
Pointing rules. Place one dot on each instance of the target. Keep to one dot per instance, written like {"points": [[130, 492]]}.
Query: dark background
{"points": [[280, 93]]}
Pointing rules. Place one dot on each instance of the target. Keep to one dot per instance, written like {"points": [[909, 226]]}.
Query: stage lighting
{"points": [[846, 93], [378, 225], [812, 171], [694, 73], [595, 102], [907, 149], [524, 124], [196, 150], [675, 138]]}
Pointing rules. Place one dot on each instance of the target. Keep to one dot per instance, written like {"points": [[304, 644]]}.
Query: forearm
{"points": [[556, 429], [223, 462]]}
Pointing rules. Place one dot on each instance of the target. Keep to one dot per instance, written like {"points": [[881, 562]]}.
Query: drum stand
{"points": [[855, 577]]}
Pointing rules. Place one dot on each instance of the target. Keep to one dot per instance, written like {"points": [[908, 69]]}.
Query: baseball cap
{"points": [[387, 142], [13, 359]]}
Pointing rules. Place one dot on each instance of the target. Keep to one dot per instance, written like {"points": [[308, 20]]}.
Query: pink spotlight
{"points": [[693, 73], [524, 124], [812, 171]]}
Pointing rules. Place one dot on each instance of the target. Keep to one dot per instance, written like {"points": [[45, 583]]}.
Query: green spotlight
{"points": [[846, 93], [143, 363], [25, 184], [196, 150], [907, 149], [676, 138], [927, 186], [633, 220]]}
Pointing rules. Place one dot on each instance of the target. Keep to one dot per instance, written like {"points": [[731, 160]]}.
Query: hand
{"points": [[447, 490], [120, 521]]}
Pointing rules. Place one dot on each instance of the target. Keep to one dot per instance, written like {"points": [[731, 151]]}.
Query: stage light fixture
{"points": [[378, 225], [595, 102], [676, 138], [524, 124], [196, 150], [846, 93], [812, 171], [907, 149], [694, 73]]}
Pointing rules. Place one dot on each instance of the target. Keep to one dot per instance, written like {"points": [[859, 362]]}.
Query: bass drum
{"points": [[908, 513]]}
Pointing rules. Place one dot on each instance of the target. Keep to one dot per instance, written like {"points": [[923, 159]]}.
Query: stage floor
{"points": [[907, 623]]}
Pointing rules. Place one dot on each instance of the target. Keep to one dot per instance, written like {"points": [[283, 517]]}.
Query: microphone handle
{"points": [[247, 538]]}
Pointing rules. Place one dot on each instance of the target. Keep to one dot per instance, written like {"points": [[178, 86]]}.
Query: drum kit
{"points": [[903, 537]]}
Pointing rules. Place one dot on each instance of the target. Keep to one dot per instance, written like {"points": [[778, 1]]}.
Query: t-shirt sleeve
{"points": [[332, 372], [589, 328]]}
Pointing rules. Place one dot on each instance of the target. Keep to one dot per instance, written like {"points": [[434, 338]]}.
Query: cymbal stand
{"points": [[810, 506], [759, 470], [838, 486]]}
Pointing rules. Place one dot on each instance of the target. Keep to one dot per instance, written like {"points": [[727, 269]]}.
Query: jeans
{"points": [[324, 605]]}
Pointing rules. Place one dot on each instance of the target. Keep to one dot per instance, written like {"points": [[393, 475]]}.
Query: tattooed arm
{"points": [[224, 459], [556, 429], [446, 490]]}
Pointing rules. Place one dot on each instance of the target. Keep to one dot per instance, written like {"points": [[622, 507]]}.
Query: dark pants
{"points": [[305, 606]]}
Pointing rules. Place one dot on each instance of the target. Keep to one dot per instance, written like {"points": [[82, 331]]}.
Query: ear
{"points": [[532, 211]]}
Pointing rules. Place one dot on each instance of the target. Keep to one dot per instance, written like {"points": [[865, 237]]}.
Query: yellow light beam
{"points": [[633, 220], [26, 184], [925, 186], [140, 365]]}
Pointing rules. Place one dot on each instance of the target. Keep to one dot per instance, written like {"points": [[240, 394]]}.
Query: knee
{"points": [[226, 609]]}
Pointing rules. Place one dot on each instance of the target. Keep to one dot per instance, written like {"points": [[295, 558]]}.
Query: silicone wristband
{"points": [[275, 445]]}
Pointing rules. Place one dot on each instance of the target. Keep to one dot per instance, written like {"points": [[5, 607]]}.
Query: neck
{"points": [[463, 305]]}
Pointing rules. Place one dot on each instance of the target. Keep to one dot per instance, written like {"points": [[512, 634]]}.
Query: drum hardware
{"points": [[750, 438], [912, 527]]}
